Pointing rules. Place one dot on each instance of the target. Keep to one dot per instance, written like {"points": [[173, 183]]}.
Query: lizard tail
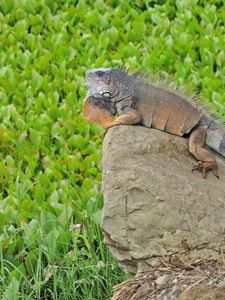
{"points": [[215, 139]]}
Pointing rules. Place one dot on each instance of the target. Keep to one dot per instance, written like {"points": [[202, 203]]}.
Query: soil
{"points": [[202, 280]]}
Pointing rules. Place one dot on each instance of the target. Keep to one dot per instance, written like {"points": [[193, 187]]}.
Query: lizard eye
{"points": [[106, 94], [99, 73]]}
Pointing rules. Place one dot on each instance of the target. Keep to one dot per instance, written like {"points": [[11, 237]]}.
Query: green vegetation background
{"points": [[50, 176]]}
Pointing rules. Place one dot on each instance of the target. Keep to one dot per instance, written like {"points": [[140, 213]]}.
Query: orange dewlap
{"points": [[97, 115]]}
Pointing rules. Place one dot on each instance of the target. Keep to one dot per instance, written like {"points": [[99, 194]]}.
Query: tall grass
{"points": [[83, 269]]}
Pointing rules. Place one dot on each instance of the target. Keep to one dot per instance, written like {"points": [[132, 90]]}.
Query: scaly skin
{"points": [[104, 118], [207, 161], [97, 115], [125, 100]]}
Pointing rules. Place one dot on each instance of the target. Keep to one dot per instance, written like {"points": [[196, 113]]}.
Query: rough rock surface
{"points": [[155, 209]]}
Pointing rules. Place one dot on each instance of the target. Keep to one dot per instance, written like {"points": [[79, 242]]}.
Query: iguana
{"points": [[116, 97]]}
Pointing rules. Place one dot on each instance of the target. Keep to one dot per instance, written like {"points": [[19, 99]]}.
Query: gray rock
{"points": [[161, 280], [154, 206]]}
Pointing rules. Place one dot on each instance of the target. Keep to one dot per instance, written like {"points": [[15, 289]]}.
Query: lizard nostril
{"points": [[89, 73]]}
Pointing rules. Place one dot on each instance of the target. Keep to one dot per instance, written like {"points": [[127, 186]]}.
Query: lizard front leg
{"points": [[206, 160], [128, 117], [103, 116]]}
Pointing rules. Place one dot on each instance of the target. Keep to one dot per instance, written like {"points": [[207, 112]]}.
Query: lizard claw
{"points": [[205, 167]]}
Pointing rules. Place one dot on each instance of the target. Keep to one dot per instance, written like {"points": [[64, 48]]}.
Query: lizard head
{"points": [[109, 84]]}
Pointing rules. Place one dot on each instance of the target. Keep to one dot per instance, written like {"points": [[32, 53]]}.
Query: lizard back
{"points": [[166, 110]]}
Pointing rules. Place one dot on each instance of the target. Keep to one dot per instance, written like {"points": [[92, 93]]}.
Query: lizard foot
{"points": [[205, 167]]}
